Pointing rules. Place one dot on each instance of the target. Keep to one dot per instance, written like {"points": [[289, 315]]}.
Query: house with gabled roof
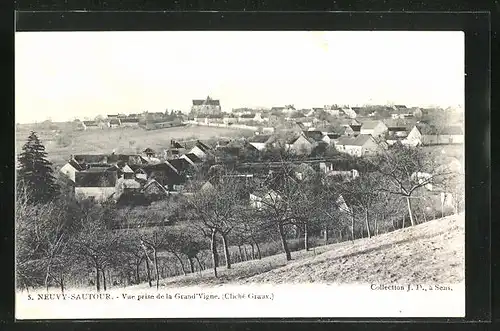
{"points": [[97, 183], [191, 158], [123, 170], [149, 152], [261, 141], [349, 112], [175, 150], [414, 138], [363, 144], [129, 122], [374, 128], [71, 168], [261, 197], [317, 136], [201, 150], [180, 165], [89, 125], [206, 106], [166, 174], [126, 185], [114, 122], [154, 190], [299, 145], [397, 131]]}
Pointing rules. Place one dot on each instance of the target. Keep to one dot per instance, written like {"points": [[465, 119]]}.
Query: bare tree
{"points": [[280, 196], [153, 240], [406, 169], [216, 210], [97, 246], [333, 211]]}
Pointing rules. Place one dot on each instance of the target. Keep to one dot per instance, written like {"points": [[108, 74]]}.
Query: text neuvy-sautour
{"points": [[139, 297]]}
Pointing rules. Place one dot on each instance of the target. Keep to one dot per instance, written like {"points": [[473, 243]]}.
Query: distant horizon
{"points": [[455, 107], [86, 74]]}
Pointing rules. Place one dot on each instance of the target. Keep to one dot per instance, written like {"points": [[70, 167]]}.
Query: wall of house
{"points": [[379, 130], [414, 138], [98, 193], [259, 146], [198, 152], [187, 159], [69, 171], [354, 150], [369, 147], [255, 201], [206, 109], [133, 125], [340, 148], [141, 176], [301, 145]]}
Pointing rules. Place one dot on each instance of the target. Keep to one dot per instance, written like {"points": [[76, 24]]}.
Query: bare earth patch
{"points": [[429, 253]]}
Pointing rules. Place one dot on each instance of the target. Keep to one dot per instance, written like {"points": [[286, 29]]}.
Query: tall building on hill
{"points": [[207, 106]]}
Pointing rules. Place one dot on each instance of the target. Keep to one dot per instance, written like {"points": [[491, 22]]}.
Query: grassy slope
{"points": [[428, 253], [104, 141]]}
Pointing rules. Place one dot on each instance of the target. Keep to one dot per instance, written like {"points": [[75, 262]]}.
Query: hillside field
{"points": [[60, 145], [428, 253]]}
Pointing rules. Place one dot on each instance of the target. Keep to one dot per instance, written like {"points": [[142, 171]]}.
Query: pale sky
{"points": [[63, 75]]}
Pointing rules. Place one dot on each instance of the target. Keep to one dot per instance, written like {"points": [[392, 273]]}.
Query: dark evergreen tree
{"points": [[35, 174]]}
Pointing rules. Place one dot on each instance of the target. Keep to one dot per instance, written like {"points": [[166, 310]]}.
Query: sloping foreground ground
{"points": [[429, 253]]}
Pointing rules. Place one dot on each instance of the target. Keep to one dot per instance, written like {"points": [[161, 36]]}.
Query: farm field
{"points": [[437, 247], [60, 145]]}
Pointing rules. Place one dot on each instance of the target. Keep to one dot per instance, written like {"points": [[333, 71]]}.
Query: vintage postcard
{"points": [[226, 174]]}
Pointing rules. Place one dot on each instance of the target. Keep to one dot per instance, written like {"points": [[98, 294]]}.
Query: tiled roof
{"points": [[292, 140], [202, 146], [176, 144], [396, 128], [355, 128], [207, 102], [76, 165], [95, 179], [345, 141], [361, 139], [90, 123], [129, 120], [168, 176], [193, 158], [153, 182], [180, 164], [333, 135], [90, 158], [369, 125], [261, 138], [315, 135]]}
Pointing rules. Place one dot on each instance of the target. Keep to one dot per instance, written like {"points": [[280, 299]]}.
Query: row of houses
{"points": [[360, 139], [107, 176], [108, 123]]}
